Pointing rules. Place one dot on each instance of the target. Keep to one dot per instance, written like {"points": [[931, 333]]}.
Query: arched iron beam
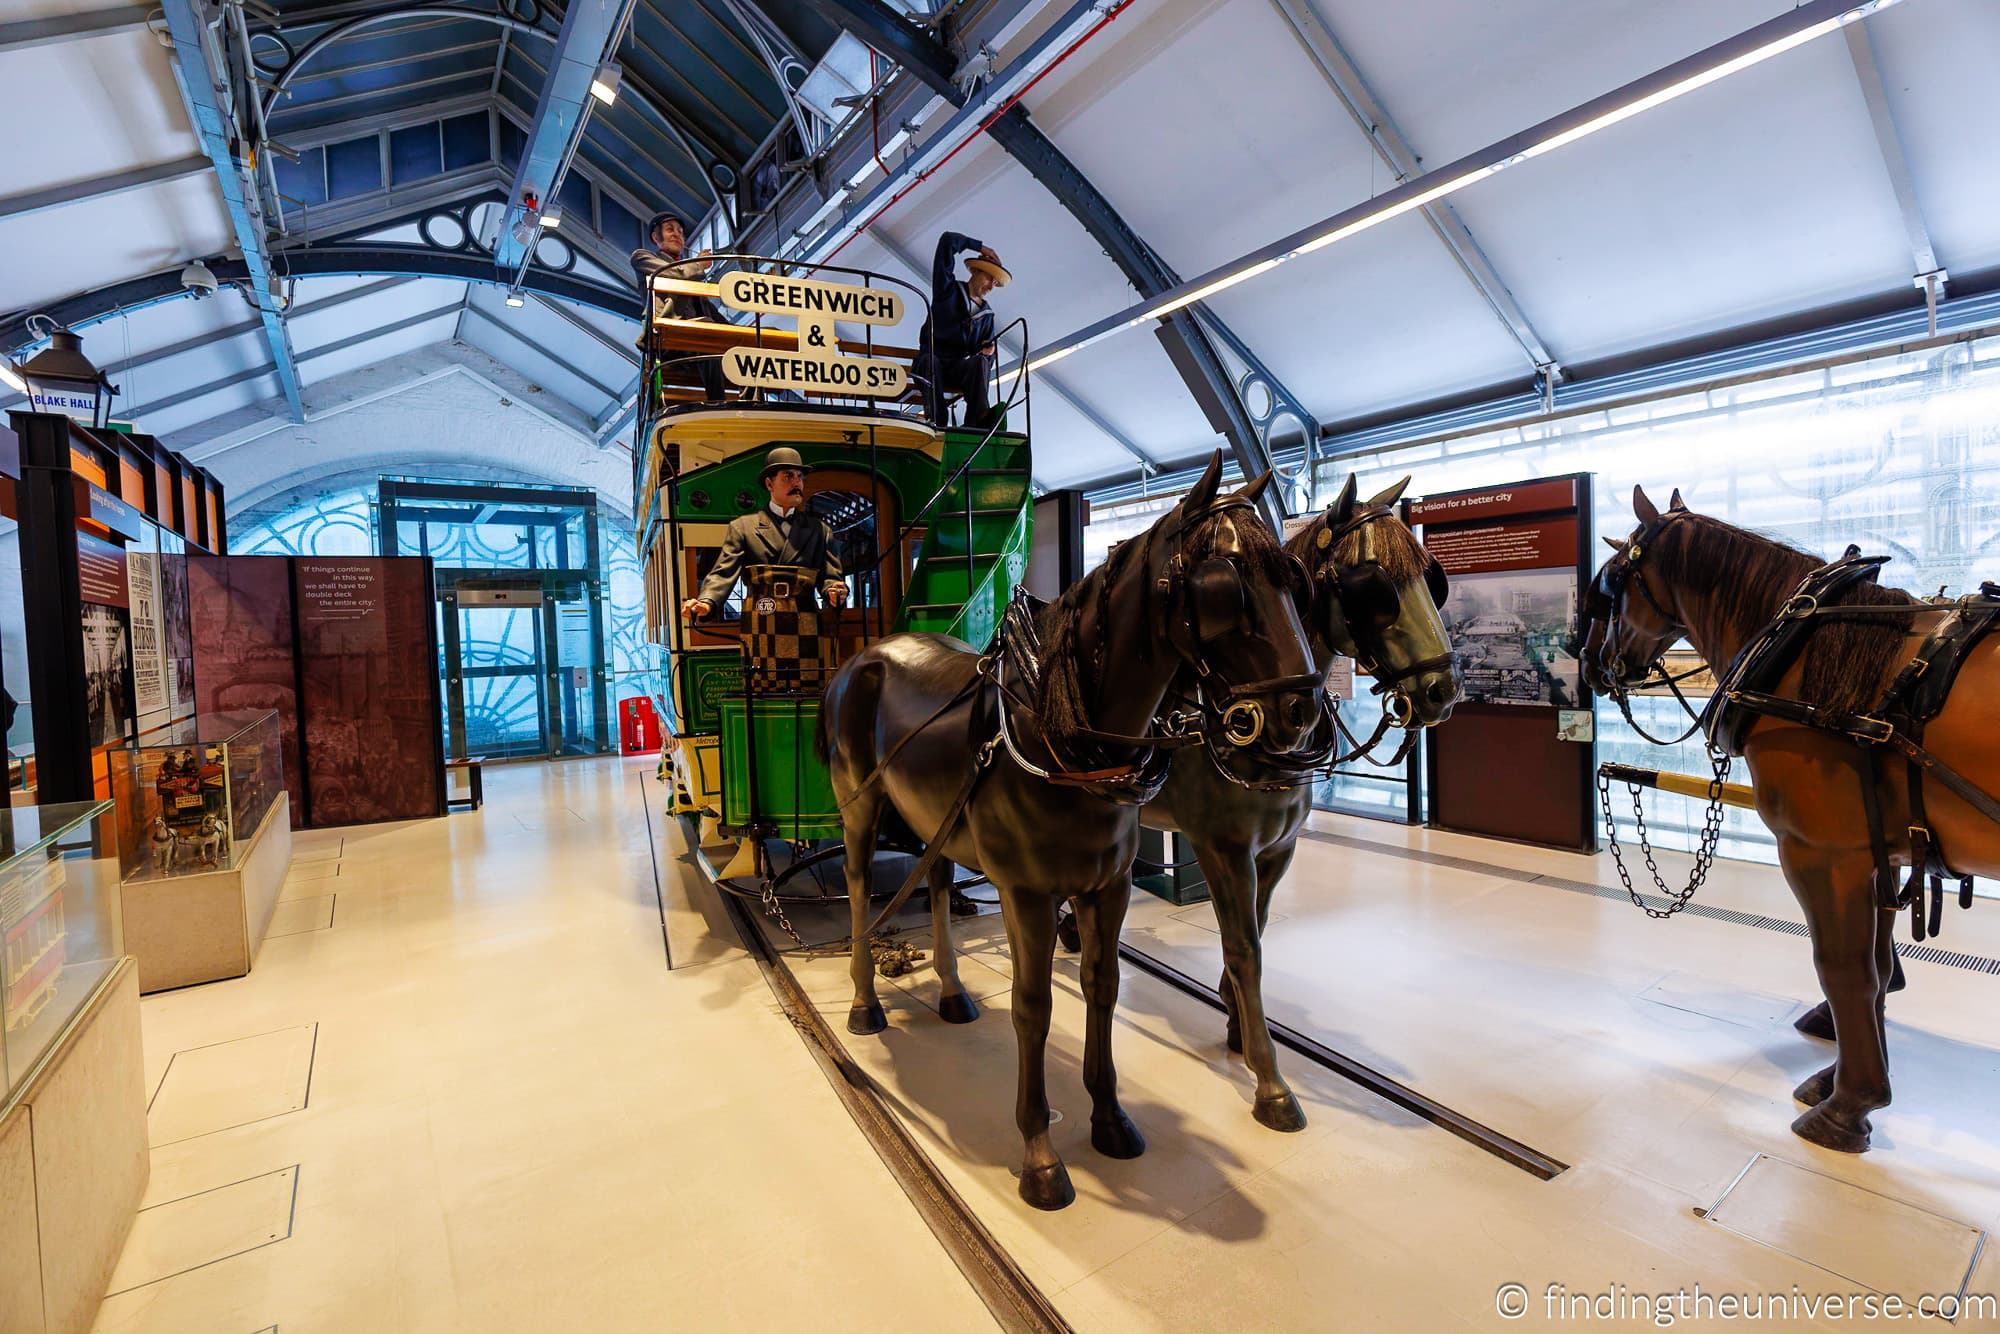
{"points": [[328, 261], [1188, 343], [683, 135]]}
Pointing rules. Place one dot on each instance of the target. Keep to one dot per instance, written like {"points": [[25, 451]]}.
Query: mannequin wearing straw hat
{"points": [[960, 360]]}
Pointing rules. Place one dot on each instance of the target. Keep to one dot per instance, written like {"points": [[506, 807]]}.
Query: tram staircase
{"points": [[975, 549]]}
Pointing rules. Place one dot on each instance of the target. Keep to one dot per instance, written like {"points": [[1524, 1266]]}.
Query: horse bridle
{"points": [[1207, 602], [1606, 602], [1370, 604], [1367, 597]]}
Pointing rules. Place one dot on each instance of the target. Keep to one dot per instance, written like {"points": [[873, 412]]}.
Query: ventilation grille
{"points": [[1978, 963]]}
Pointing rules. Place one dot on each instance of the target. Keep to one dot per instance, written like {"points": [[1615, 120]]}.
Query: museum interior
{"points": [[1047, 665]]}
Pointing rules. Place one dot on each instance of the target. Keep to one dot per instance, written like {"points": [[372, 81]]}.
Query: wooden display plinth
{"points": [[206, 927], [73, 1165]]}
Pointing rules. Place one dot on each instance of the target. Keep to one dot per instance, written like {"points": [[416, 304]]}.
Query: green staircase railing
{"points": [[976, 549]]}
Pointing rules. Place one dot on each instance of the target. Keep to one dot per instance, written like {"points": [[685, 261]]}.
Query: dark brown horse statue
{"points": [[1050, 747], [1374, 598], [1808, 745]]}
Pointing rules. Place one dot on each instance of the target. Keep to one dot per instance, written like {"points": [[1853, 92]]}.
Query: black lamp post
{"points": [[62, 380]]}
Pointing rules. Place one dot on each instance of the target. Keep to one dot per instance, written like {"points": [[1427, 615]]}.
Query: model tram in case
{"points": [[929, 525]]}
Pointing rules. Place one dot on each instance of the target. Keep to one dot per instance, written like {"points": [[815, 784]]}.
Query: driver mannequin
{"points": [[784, 532]]}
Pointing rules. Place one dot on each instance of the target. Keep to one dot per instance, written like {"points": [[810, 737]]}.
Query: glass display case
{"points": [[60, 923], [192, 796]]}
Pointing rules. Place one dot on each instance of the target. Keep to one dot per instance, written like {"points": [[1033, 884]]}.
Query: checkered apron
{"points": [[785, 647]]}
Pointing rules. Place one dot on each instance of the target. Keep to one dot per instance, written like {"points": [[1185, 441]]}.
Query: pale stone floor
{"points": [[1656, 1058], [464, 1092], [517, 1118]]}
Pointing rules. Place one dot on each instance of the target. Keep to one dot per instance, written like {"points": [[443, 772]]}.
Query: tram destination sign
{"points": [[808, 298], [817, 366], [813, 372]]}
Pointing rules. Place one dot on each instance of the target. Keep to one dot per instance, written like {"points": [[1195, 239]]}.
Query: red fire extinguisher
{"points": [[638, 726]]}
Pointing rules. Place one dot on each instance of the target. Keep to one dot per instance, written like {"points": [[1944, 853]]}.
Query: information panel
{"points": [[1518, 755]]}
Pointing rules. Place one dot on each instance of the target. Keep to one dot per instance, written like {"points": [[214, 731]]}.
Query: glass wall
{"points": [[1900, 454], [343, 521]]}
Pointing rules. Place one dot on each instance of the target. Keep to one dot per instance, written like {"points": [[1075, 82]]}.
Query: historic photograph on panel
{"points": [[107, 673], [1511, 631]]}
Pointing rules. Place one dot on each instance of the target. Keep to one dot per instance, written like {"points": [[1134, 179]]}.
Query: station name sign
{"points": [[817, 366]]}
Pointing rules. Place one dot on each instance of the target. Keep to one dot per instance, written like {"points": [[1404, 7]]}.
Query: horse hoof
{"points": [[1068, 936], [1815, 1090], [958, 1009], [1116, 1137], [1820, 1126], [1048, 1187], [866, 1019], [1817, 1022], [1280, 1113]]}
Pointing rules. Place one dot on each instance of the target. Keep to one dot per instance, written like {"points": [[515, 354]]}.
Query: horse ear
{"points": [[1392, 495], [1614, 544], [1647, 511], [1256, 488], [1342, 507], [1674, 502], [1203, 491]]}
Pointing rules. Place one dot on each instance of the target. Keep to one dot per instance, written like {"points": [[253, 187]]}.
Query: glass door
{"points": [[497, 679], [576, 625]]}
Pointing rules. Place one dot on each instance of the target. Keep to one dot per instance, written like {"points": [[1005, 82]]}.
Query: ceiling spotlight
{"points": [[516, 299], [604, 85], [552, 219]]}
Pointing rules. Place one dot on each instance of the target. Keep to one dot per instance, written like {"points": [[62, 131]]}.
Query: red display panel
{"points": [[240, 609], [368, 669]]}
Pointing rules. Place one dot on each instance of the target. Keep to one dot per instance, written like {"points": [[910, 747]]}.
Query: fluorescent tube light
{"points": [[1697, 71], [551, 219], [516, 299], [12, 377]]}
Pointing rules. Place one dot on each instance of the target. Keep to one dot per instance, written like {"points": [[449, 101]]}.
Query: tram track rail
{"points": [[1013, 1299], [1476, 1133]]}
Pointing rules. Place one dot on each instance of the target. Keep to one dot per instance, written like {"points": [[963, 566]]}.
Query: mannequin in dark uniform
{"points": [[784, 532], [961, 360], [662, 259]]}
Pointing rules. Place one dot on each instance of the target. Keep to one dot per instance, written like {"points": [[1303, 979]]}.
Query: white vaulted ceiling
{"points": [[1208, 127]]}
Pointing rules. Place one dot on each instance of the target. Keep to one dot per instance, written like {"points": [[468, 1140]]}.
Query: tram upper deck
{"points": [[929, 525]]}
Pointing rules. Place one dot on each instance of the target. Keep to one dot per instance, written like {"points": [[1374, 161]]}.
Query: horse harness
{"points": [[1913, 697], [1369, 603], [1010, 674]]}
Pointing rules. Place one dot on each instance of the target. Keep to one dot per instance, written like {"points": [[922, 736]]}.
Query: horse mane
{"points": [[1068, 681], [1746, 577], [1402, 561]]}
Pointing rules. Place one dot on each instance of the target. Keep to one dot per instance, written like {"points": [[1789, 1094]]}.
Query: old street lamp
{"points": [[62, 380]]}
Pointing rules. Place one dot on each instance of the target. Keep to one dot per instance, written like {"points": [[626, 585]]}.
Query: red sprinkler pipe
{"points": [[978, 130]]}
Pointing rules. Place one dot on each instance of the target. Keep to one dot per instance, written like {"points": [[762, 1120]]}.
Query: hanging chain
{"points": [[767, 885], [1704, 857]]}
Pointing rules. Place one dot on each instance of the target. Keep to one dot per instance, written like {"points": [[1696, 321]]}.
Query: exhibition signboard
{"points": [[1518, 559]]}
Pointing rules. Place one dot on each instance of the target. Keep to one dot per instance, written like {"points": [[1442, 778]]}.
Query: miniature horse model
{"points": [[1243, 822], [1817, 784], [1051, 760]]}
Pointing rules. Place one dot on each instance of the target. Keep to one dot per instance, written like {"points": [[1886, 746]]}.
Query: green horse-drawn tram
{"points": [[794, 534], [791, 510]]}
